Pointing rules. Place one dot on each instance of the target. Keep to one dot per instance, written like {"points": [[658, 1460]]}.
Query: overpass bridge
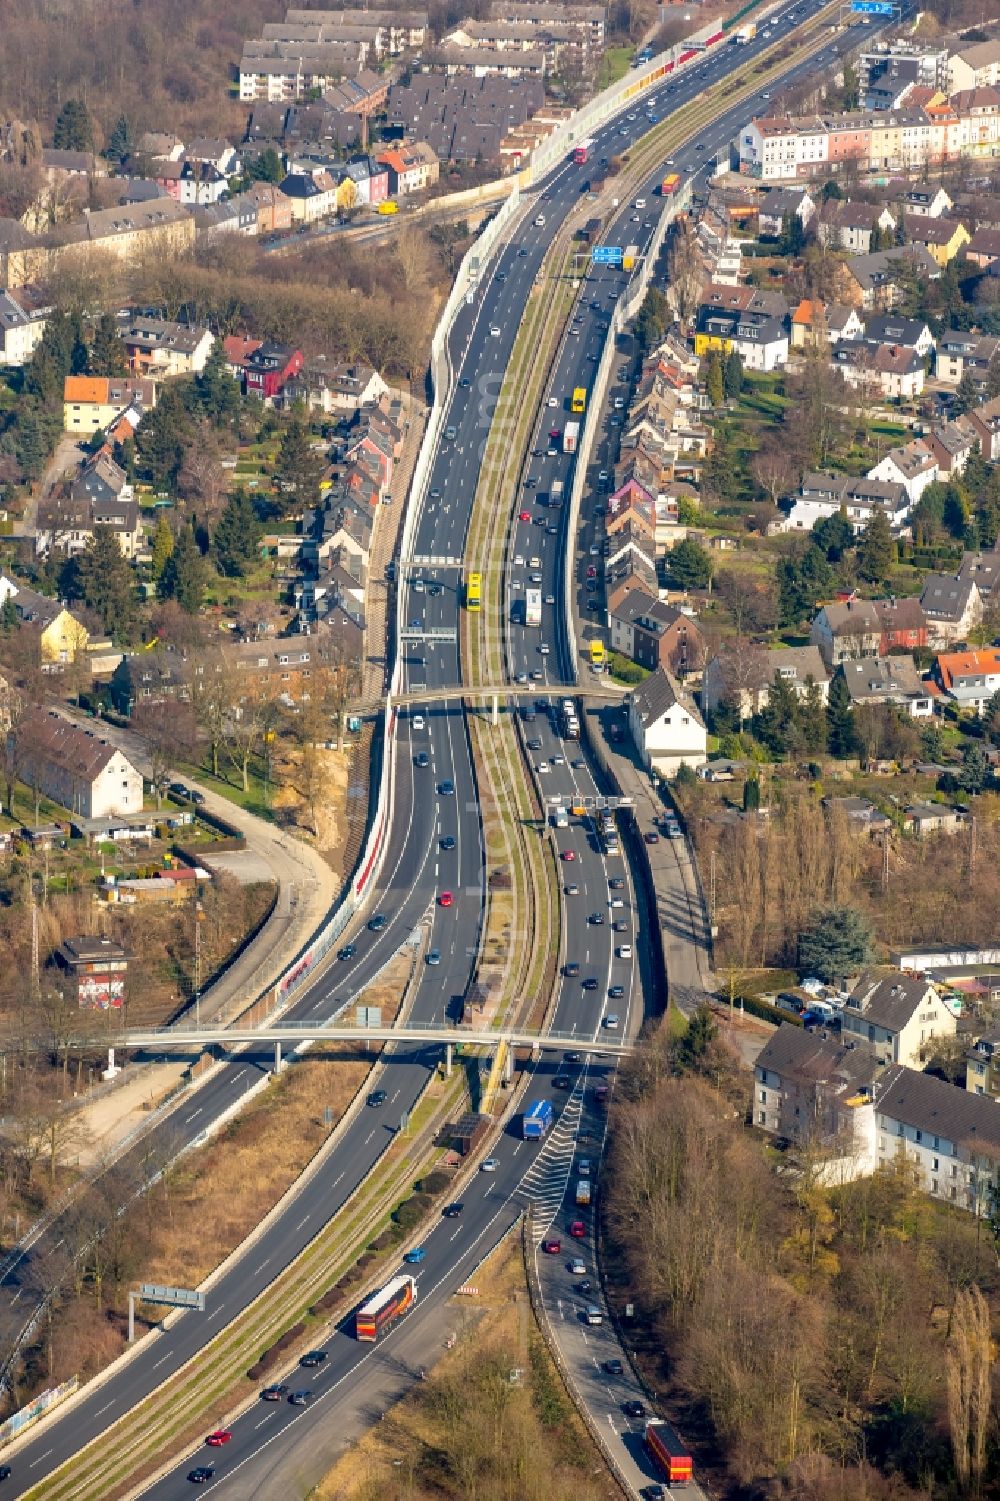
{"points": [[428, 697], [294, 1034]]}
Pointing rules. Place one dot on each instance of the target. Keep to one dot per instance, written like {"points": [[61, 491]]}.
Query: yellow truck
{"points": [[630, 257], [389, 207]]}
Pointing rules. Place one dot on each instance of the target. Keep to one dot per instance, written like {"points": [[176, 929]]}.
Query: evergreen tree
{"points": [[715, 383], [8, 616], [836, 944], [834, 536], [813, 719], [689, 565], [967, 394], [876, 550], [163, 546], [751, 794], [51, 362], [266, 167], [776, 725], [841, 737], [216, 391], [107, 352], [733, 375], [299, 468], [237, 536], [993, 378], [120, 141], [162, 435], [975, 772], [106, 583], [73, 130], [78, 355], [186, 573]]}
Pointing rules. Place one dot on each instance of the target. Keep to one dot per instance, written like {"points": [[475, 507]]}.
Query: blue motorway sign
{"points": [[872, 7], [607, 255]]}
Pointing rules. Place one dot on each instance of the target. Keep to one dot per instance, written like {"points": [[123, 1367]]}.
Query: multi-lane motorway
{"points": [[435, 845]]}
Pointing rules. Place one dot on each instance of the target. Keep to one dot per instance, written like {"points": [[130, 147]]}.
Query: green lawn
{"points": [[614, 65], [229, 784]]}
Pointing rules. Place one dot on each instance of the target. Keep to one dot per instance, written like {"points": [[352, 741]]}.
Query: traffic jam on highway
{"points": [[434, 874]]}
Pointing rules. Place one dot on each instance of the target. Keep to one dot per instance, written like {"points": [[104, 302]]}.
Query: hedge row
{"points": [[763, 1009], [272, 1355]]}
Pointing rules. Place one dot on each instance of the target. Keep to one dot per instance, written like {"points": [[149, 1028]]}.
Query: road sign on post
{"points": [[173, 1297], [607, 255], [873, 7]]}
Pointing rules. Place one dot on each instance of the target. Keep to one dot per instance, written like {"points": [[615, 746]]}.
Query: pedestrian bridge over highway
{"points": [[294, 1034], [426, 697]]}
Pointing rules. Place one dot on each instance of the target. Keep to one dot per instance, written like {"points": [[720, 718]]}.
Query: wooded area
{"points": [[813, 1343]]}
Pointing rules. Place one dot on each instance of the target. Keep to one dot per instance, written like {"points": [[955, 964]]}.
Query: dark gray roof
{"points": [[888, 1001], [944, 1110], [946, 598], [795, 1053], [659, 693], [889, 678]]}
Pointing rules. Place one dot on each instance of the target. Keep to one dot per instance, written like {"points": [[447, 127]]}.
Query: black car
{"points": [[590, 984], [452, 1211], [447, 843], [616, 883], [377, 923], [377, 1098], [347, 952], [615, 992], [634, 1409], [571, 1057], [446, 789], [614, 1367], [653, 1493], [571, 970], [178, 789], [422, 759], [315, 1357], [562, 1081], [596, 918], [202, 1474], [585, 1286], [274, 1393], [5, 1472], [300, 1399]]}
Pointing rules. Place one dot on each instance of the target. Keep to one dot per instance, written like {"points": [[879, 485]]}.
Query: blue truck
{"points": [[537, 1120]]}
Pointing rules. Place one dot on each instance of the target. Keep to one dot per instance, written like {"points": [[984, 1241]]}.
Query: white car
{"points": [[640, 203], [418, 722], [612, 1021], [625, 951], [544, 649], [518, 560], [578, 1267], [489, 1165], [494, 331], [552, 402]]}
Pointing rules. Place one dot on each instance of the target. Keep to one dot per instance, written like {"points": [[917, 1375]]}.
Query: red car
{"points": [[524, 515], [568, 855], [445, 899], [552, 1247], [591, 571], [578, 1230], [218, 1438], [554, 433]]}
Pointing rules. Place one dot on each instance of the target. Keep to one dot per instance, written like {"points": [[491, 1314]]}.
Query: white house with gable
{"points": [[666, 726]]}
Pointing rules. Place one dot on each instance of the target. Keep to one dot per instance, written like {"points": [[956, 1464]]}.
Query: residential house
{"points": [[878, 280], [846, 630], [655, 634], [412, 167], [62, 638], [904, 626], [234, 216], [821, 494], [667, 729], [959, 351], [312, 196], [75, 767], [905, 333], [934, 818], [913, 466], [976, 67], [888, 680], [985, 420], [158, 348], [843, 225], [982, 1065], [808, 1088], [861, 815], [969, 678], [952, 444], [161, 229], [890, 371], [92, 403], [274, 208], [150, 676], [194, 184], [23, 320], [335, 388], [817, 325], [746, 679], [948, 1138], [953, 607], [213, 152], [984, 569], [96, 969], [941, 238], [983, 250], [268, 368], [896, 1016], [781, 204], [926, 199]]}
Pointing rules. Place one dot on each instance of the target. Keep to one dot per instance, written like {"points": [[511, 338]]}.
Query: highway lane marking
{"points": [[262, 1422], [191, 1117], [157, 1363], [103, 1409], [261, 1267], [38, 1461]]}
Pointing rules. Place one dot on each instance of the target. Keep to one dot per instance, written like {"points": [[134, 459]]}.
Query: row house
{"points": [[655, 634], [312, 195], [843, 225], [983, 568], [985, 420], [23, 320], [341, 525], [810, 1089], [819, 325], [191, 183], [412, 167], [983, 250], [857, 628], [268, 368], [273, 76], [74, 767], [943, 239], [953, 608]]}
